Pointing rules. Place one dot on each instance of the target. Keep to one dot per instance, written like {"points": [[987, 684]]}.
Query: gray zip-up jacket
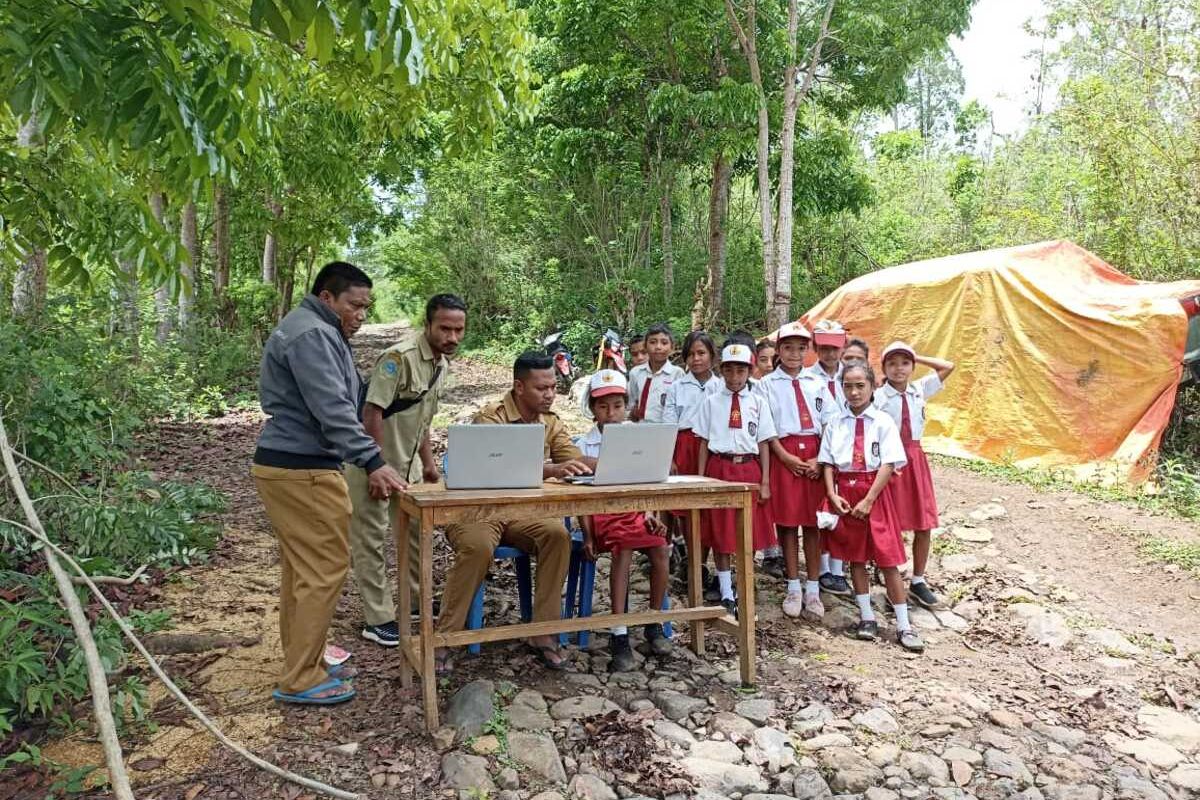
{"points": [[308, 386]]}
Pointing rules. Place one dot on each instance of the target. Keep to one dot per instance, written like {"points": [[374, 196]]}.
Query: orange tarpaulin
{"points": [[1063, 362]]}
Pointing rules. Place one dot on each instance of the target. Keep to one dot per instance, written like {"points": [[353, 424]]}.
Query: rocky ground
{"points": [[1063, 666]]}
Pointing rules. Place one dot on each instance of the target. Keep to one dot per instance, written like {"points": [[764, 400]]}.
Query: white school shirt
{"points": [[881, 441], [589, 443], [660, 384], [888, 399], [817, 373], [777, 388], [712, 423], [686, 396]]}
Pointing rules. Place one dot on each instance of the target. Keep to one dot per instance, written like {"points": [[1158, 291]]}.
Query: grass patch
{"points": [[1185, 555], [946, 545]]}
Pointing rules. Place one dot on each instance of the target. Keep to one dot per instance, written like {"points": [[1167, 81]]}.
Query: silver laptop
{"points": [[495, 456], [638, 453]]}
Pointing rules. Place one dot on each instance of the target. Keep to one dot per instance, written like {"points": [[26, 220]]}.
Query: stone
{"points": [[719, 776], [879, 793], [508, 779], [757, 710], [877, 721], [590, 787], [996, 739], [1176, 729], [581, 707], [1069, 738], [672, 732], [1006, 765], [725, 752], [961, 563], [641, 704], [1072, 791], [883, 754], [1149, 751], [950, 793], [464, 772], [732, 726], [923, 619], [827, 740], [1134, 787], [964, 754], [471, 707], [527, 712], [443, 738], [547, 795], [968, 610], [539, 753], [925, 767], [771, 747], [988, 512], [346, 749], [1186, 776], [973, 535], [961, 772], [937, 730], [485, 745], [1065, 770], [1112, 641], [852, 772], [758, 796], [1005, 719], [584, 680], [701, 794], [807, 784], [676, 705], [1047, 628], [506, 794]]}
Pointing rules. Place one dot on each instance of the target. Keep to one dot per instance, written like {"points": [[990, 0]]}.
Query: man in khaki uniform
{"points": [[528, 402], [401, 401]]}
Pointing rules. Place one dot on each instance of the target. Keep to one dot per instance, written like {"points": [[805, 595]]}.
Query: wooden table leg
{"points": [[745, 579], [404, 589], [695, 590], [428, 671]]}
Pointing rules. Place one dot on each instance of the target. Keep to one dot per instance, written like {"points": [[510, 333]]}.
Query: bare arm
{"points": [[764, 460], [942, 367], [373, 422], [703, 462]]}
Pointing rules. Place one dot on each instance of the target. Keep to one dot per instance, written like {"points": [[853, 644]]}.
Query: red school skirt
{"points": [[627, 531], [686, 459], [911, 489], [720, 525], [876, 538], [795, 499]]}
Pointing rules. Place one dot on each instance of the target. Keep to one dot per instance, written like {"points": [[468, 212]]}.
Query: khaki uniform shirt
{"points": [[405, 370], [558, 446]]}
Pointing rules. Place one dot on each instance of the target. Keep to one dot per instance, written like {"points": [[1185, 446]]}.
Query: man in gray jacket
{"points": [[309, 389]]}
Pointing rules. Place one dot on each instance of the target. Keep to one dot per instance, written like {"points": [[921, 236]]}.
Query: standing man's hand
{"points": [[383, 481], [431, 474]]}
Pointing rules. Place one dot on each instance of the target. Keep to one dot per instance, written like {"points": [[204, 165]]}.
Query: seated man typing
{"points": [[547, 540]]}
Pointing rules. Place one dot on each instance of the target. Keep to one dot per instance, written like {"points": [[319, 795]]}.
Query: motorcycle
{"points": [[565, 371], [610, 352]]}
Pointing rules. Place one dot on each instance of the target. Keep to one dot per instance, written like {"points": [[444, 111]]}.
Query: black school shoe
{"points": [[835, 584], [923, 595], [910, 641], [774, 567], [867, 630], [731, 605], [621, 652], [660, 645], [385, 635], [712, 589]]}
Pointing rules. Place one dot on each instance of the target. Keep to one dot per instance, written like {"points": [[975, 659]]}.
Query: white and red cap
{"points": [[793, 330], [829, 332], [898, 347], [604, 383], [738, 354]]}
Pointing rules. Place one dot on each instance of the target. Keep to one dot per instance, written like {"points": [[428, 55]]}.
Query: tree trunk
{"points": [[132, 312], [668, 248], [710, 296], [270, 245], [308, 268], [29, 284], [191, 267], [287, 282], [220, 240], [163, 308]]}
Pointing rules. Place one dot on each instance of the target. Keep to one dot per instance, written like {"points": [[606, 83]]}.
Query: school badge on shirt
{"points": [[390, 368], [875, 449], [820, 403], [753, 428]]}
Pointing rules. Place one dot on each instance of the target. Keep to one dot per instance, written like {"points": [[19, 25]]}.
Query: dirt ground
{"points": [[1054, 555]]}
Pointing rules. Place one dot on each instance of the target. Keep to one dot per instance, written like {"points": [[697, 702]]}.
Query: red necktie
{"points": [[905, 422], [645, 396], [735, 412], [805, 418], [833, 388], [858, 459]]}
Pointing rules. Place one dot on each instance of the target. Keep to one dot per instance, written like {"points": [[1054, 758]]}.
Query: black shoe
{"points": [[867, 630], [622, 653], [924, 596], [774, 567], [731, 606], [387, 634], [910, 641], [712, 590], [840, 586], [660, 645], [437, 609]]}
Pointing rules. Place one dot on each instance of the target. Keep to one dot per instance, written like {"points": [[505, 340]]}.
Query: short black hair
{"points": [[703, 338], [448, 301], [866, 348], [338, 276], [663, 328], [764, 344], [637, 337], [741, 337], [864, 366], [529, 361]]}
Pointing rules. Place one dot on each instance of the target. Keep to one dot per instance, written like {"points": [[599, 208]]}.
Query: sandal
{"points": [[866, 630], [341, 671], [543, 653], [314, 696]]}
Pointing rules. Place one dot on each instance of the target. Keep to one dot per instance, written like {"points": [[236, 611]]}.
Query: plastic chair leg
{"points": [[569, 599], [475, 616], [524, 587], [586, 589]]}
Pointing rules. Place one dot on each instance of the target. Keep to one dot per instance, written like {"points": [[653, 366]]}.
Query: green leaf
{"points": [[176, 10], [258, 9], [276, 22], [323, 33]]}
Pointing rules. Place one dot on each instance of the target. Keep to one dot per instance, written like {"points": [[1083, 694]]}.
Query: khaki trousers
{"points": [[370, 531], [310, 512], [545, 539]]}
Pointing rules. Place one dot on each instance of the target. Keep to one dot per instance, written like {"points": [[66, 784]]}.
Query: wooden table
{"points": [[432, 505]]}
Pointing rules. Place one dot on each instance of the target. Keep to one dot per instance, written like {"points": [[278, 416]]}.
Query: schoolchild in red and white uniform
{"points": [[859, 452], [912, 487], [800, 407], [650, 383], [829, 340], [687, 393], [735, 427]]}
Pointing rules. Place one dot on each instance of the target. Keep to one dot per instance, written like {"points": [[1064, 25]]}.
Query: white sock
{"points": [[864, 607], [618, 630], [835, 566], [725, 581], [824, 563], [901, 610], [793, 586], [917, 579], [812, 587]]}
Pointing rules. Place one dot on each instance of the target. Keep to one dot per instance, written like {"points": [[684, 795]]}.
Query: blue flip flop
{"points": [[309, 696]]}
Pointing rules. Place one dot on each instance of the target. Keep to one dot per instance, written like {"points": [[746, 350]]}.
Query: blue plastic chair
{"points": [[524, 591]]}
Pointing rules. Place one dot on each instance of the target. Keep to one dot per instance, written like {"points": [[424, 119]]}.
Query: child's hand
{"points": [[794, 465], [863, 509], [839, 504], [812, 469], [589, 547], [764, 492], [656, 526]]}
